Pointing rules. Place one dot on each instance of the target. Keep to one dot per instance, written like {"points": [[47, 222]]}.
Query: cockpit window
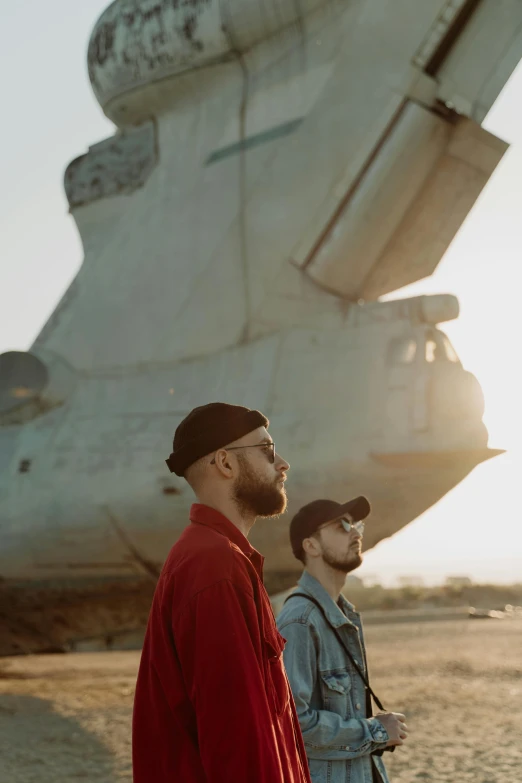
{"points": [[402, 351], [451, 353], [431, 350], [439, 349]]}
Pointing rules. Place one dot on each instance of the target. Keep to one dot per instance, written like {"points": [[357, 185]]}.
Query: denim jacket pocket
{"points": [[277, 683], [336, 689]]}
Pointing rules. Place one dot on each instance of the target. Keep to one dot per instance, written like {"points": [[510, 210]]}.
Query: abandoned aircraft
{"points": [[277, 169]]}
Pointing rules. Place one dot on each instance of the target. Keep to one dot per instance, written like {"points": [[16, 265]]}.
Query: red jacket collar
{"points": [[204, 515]]}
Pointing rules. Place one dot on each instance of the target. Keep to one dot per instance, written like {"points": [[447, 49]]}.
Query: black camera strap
{"points": [[341, 641], [376, 775]]}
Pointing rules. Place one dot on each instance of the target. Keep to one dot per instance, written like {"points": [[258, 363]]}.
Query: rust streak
{"points": [[145, 565]]}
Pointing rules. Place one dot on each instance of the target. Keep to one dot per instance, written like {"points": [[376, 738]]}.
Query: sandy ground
{"points": [[67, 717]]}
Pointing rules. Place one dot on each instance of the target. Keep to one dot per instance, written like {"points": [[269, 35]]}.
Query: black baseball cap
{"points": [[317, 513]]}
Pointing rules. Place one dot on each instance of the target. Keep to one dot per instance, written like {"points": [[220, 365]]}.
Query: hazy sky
{"points": [[477, 528], [50, 117]]}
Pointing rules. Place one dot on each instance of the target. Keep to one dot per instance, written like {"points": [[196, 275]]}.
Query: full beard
{"points": [[343, 564], [257, 497]]}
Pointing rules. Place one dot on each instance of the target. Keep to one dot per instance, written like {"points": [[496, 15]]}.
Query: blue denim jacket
{"points": [[329, 694]]}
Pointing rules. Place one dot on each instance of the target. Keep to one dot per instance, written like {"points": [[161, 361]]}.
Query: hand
{"points": [[394, 724]]}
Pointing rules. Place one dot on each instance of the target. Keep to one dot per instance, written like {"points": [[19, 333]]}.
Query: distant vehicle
{"points": [[485, 614], [276, 170], [508, 612]]}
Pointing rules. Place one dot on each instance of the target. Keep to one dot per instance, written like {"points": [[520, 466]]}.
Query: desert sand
{"points": [[67, 717]]}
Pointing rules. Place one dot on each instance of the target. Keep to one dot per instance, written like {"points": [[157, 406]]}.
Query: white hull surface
{"points": [[276, 169]]}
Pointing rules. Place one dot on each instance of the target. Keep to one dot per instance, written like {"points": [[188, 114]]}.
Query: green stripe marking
{"points": [[254, 141]]}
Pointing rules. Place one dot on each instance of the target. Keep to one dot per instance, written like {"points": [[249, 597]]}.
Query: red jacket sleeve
{"points": [[221, 651]]}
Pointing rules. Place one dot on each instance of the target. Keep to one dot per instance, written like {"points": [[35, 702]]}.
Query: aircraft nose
{"points": [[456, 407], [445, 424], [458, 397]]}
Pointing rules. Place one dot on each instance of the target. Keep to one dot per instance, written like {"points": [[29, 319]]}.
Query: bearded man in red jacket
{"points": [[212, 700]]}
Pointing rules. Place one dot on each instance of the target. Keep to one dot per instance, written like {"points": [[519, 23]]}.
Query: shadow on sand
{"points": [[38, 744]]}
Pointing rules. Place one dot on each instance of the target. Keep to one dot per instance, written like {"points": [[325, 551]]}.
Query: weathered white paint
{"points": [[276, 176], [134, 44], [117, 165], [487, 53], [407, 208], [339, 398]]}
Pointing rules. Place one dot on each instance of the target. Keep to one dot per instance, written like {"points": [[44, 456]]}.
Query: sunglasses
{"points": [[348, 525], [268, 447]]}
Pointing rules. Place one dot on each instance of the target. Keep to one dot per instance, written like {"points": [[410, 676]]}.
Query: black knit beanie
{"points": [[208, 428]]}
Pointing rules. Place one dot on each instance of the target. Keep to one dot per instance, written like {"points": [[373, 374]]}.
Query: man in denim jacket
{"points": [[330, 696]]}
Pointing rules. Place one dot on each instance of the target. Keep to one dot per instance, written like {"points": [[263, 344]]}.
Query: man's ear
{"points": [[222, 463], [311, 547]]}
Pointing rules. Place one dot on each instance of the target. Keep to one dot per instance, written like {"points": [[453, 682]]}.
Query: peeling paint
{"points": [[138, 42], [118, 165], [189, 29], [133, 24], [102, 43]]}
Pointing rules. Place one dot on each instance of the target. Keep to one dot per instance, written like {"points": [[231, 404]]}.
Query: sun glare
{"points": [[475, 529]]}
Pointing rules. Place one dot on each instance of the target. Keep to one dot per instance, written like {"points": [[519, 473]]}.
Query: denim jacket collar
{"points": [[336, 616]]}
